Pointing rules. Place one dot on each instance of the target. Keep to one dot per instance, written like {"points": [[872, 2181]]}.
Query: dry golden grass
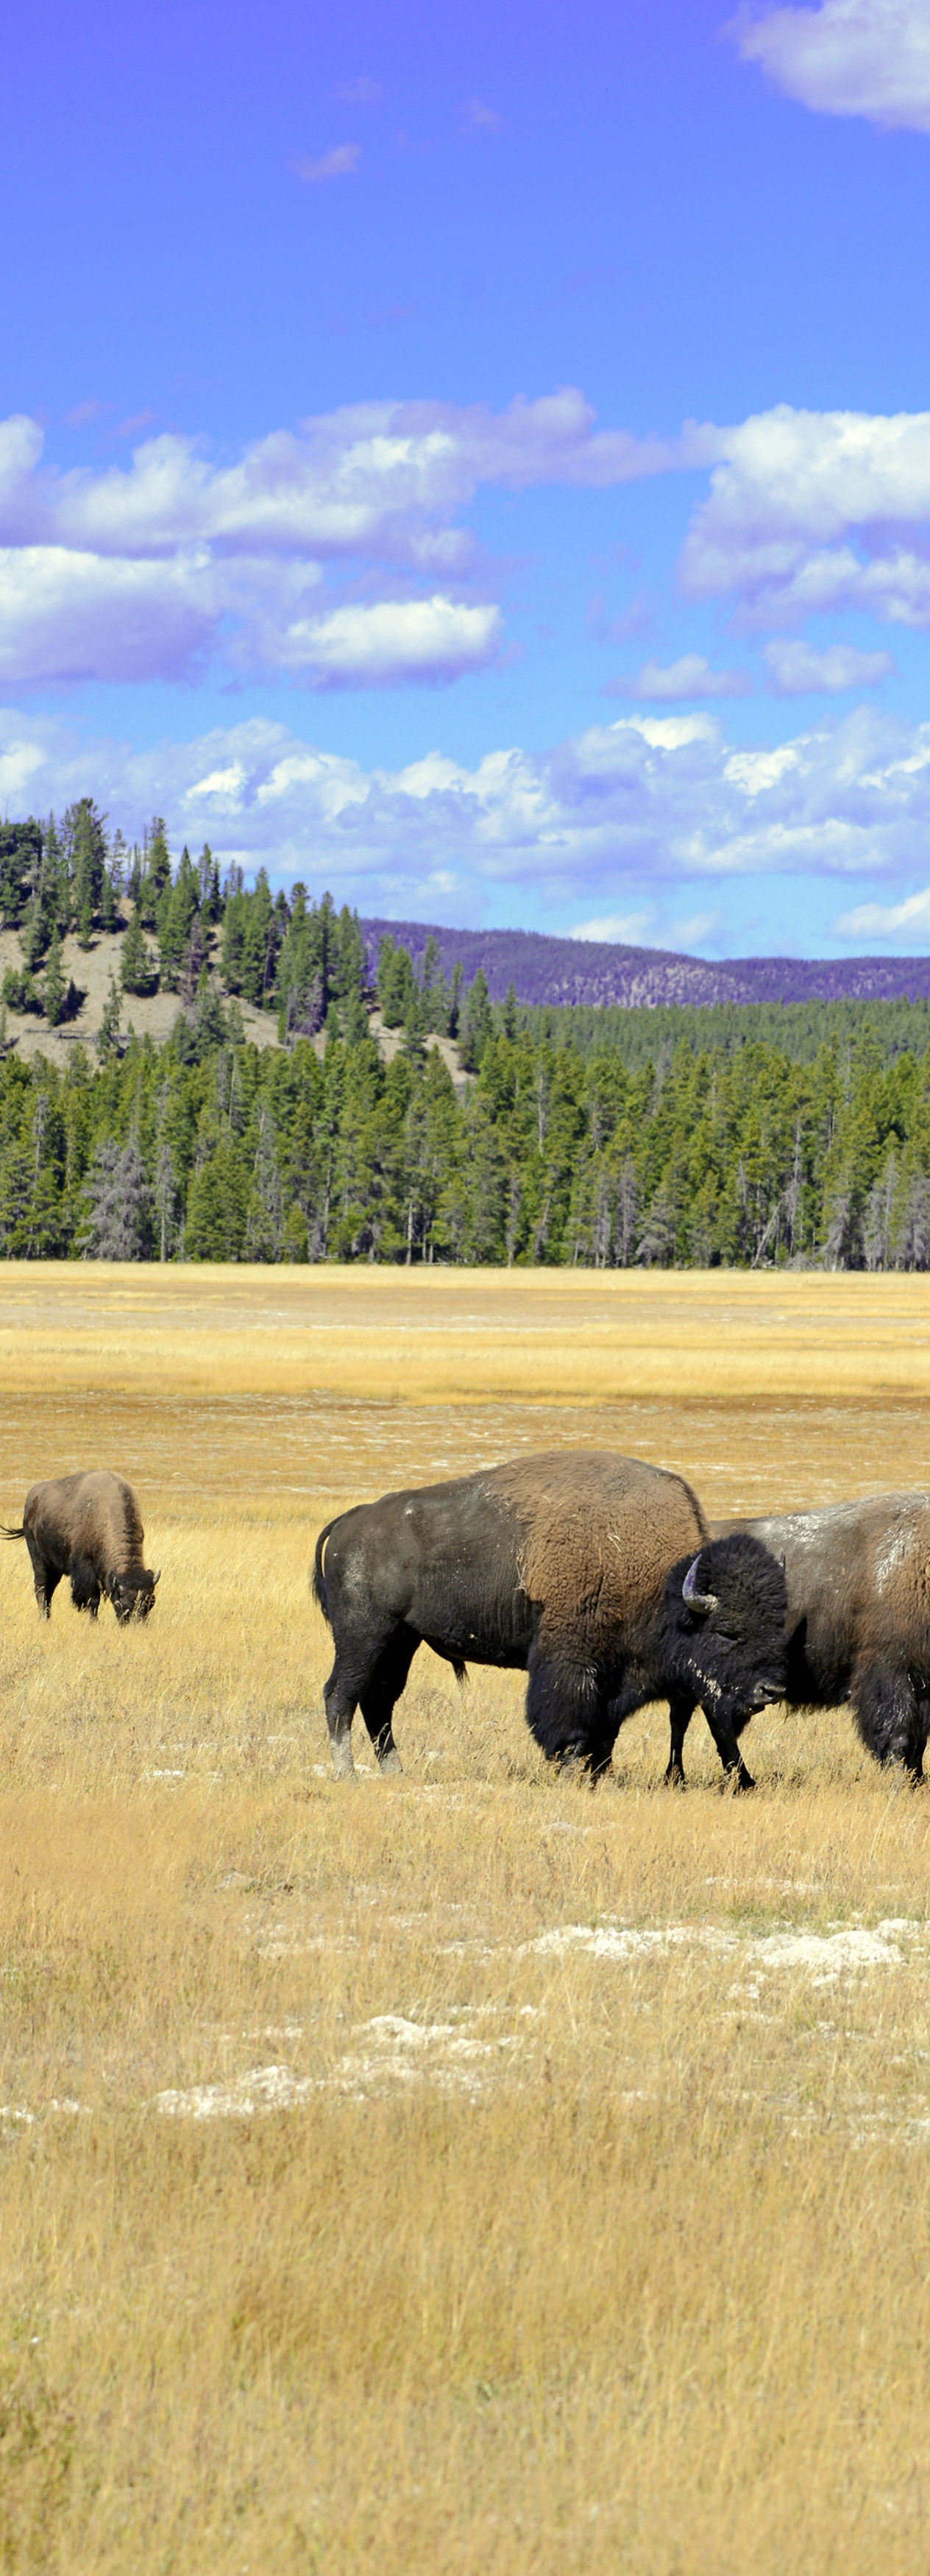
{"points": [[462, 2171]]}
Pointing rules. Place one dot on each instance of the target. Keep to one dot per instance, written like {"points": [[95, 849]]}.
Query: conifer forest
{"points": [[398, 1115]]}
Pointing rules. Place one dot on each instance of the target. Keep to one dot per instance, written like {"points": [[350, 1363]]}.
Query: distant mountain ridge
{"points": [[550, 970]]}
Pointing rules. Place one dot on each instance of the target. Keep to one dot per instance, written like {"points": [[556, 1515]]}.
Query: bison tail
{"points": [[318, 1578], [8, 1533]]}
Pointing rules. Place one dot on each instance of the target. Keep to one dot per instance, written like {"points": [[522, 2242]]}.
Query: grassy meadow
{"points": [[462, 2171]]}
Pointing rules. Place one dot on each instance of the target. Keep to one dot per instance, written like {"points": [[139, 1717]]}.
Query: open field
{"points": [[461, 2171]]}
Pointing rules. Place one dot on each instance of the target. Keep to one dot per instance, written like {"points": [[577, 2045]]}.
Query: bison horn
{"points": [[697, 1600], [156, 1578]]}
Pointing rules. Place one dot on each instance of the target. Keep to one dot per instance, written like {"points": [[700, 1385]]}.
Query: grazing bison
{"points": [[87, 1526], [594, 1574], [858, 1625]]}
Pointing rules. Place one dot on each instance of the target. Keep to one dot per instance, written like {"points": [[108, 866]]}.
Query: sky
{"points": [[477, 459]]}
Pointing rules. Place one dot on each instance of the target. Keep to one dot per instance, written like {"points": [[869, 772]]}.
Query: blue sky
{"points": [[479, 458]]}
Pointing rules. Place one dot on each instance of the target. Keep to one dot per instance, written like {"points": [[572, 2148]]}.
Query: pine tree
{"points": [[86, 845], [136, 966], [477, 1023], [156, 873], [209, 1016], [118, 1223], [108, 1032], [56, 990], [166, 1202]]}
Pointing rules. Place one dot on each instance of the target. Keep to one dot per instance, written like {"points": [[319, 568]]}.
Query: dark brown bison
{"points": [[858, 1625], [87, 1526], [594, 1574]]}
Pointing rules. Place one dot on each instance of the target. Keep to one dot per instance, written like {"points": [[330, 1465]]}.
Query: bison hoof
{"points": [[390, 1760], [343, 1765], [735, 1783]]}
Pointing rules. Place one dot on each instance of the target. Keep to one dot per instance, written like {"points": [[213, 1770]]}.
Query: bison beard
{"points": [[593, 1573]]}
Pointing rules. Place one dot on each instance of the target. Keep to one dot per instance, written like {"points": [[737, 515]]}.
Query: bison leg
{"points": [[85, 1589], [680, 1712], [378, 1699], [725, 1739], [891, 1714], [340, 1700], [45, 1577], [567, 1712], [360, 1675]]}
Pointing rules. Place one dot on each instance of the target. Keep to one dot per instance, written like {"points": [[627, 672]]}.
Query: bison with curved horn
{"points": [[87, 1526], [857, 1626], [594, 1574]]}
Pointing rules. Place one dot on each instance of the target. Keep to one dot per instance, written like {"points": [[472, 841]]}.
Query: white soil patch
{"points": [[847, 1950], [392, 2051]]}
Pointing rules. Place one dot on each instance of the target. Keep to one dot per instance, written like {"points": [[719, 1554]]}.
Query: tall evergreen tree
{"points": [[118, 1219], [138, 973]]}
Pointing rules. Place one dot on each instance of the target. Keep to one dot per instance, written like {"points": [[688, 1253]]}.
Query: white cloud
{"points": [[908, 921], [374, 477], [848, 58], [692, 933], [754, 771], [794, 667], [144, 571], [815, 511], [413, 639], [690, 677], [74, 616], [630, 928], [337, 164], [152, 569], [632, 823]]}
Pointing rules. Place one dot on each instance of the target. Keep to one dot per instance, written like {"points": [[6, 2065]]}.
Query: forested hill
{"points": [[300, 1099], [544, 970]]}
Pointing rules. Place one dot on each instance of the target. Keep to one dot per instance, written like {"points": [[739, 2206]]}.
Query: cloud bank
{"points": [[151, 570], [848, 58], [619, 823], [336, 554]]}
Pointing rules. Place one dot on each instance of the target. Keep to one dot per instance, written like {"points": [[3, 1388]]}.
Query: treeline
{"points": [[209, 1148], [497, 1133]]}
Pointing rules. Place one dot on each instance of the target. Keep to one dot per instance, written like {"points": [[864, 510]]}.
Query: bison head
{"points": [[133, 1595], [726, 1614]]}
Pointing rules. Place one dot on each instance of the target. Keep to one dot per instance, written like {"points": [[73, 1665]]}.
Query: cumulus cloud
{"points": [[794, 667], [690, 677], [262, 559], [649, 816], [815, 511], [147, 570], [337, 164], [905, 921], [375, 647], [77, 616], [848, 57]]}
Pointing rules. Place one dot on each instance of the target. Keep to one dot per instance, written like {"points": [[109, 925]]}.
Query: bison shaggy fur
{"points": [[593, 1573], [87, 1526]]}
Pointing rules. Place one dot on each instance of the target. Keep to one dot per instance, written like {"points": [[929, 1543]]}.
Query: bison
{"points": [[87, 1526], [596, 1575], [858, 1625]]}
